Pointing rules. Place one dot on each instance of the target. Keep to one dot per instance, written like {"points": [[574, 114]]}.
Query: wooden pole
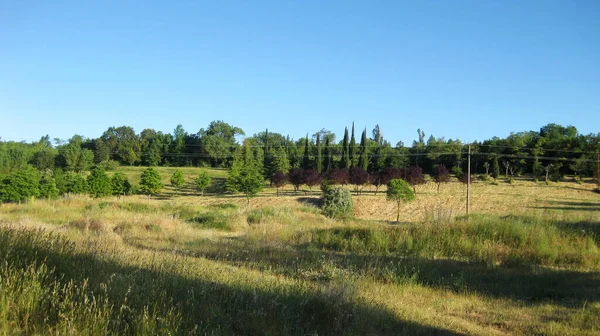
{"points": [[598, 172], [468, 180]]}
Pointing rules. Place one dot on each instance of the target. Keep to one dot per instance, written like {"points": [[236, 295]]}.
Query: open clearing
{"points": [[527, 262]]}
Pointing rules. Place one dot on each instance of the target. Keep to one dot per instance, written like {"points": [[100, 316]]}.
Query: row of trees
{"points": [[553, 150], [29, 183]]}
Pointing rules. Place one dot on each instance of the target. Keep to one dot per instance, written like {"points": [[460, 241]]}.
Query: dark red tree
{"points": [[312, 178], [358, 177], [279, 180], [441, 175], [339, 176], [414, 176], [377, 179], [296, 178]]}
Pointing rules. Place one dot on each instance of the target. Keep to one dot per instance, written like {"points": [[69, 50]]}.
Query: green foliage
{"points": [[99, 184], [150, 183], [120, 184], [400, 191], [363, 160], [177, 179], [70, 183], [74, 158], [457, 171], [48, 188], [108, 165], [495, 168], [202, 181], [245, 178], [20, 186], [337, 202], [538, 170]]}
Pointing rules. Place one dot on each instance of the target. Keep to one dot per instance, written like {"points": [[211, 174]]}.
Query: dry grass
{"points": [[266, 268]]}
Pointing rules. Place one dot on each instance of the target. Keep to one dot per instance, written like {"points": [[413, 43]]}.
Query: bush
{"points": [[337, 203], [108, 165], [99, 183]]}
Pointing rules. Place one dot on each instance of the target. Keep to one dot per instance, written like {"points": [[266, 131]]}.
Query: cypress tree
{"points": [[353, 159], [345, 162], [496, 168], [328, 162], [363, 160], [305, 158], [319, 154]]}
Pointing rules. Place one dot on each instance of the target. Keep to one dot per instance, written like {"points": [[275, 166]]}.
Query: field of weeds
{"points": [[527, 262]]}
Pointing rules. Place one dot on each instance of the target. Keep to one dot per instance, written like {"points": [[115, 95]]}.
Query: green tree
{"points": [[245, 178], [353, 157], [305, 157], [495, 168], [280, 161], [327, 156], [218, 142], [400, 191], [363, 159], [73, 157], [20, 185], [99, 184], [202, 182], [48, 188], [319, 154], [177, 180], [70, 183], [151, 183], [345, 161], [120, 184]]}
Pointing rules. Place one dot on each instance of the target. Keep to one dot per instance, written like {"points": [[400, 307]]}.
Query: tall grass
{"points": [[484, 239]]}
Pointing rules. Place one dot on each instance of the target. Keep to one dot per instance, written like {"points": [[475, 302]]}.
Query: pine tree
{"points": [[281, 162], [319, 154], [345, 162], [352, 158], [363, 160], [305, 158]]}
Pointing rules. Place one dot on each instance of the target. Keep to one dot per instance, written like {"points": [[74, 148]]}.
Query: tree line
{"points": [[553, 151]]}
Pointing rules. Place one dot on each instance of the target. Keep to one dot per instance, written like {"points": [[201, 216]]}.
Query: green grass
{"points": [[146, 267]]}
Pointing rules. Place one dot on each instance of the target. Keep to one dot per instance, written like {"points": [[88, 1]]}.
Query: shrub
{"points": [[120, 184], [20, 186], [337, 203], [48, 188], [99, 183], [108, 165]]}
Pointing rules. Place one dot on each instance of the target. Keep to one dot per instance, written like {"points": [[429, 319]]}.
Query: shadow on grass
{"points": [[531, 285], [568, 208], [207, 307], [312, 201]]}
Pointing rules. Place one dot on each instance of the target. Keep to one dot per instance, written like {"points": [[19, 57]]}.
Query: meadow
{"points": [[526, 262]]}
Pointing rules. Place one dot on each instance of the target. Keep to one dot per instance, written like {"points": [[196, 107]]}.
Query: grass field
{"points": [[526, 263]]}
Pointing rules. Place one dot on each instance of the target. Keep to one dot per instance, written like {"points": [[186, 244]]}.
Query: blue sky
{"points": [[459, 69]]}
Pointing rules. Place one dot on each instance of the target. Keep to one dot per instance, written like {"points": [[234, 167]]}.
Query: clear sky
{"points": [[459, 69]]}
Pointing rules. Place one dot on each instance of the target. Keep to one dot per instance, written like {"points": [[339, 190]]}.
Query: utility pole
{"points": [[598, 172], [468, 180]]}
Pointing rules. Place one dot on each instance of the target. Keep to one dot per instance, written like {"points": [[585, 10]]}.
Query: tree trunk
{"points": [[398, 214]]}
